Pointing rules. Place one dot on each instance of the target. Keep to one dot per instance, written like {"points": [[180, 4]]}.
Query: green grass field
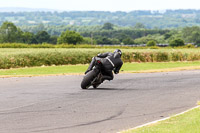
{"points": [[12, 51], [185, 123], [127, 67]]}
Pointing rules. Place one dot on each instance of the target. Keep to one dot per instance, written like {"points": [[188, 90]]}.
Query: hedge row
{"points": [[44, 58], [160, 56], [22, 45], [64, 57], [45, 45]]}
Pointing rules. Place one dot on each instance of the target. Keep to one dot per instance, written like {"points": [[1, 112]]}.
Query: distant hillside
{"points": [[151, 19]]}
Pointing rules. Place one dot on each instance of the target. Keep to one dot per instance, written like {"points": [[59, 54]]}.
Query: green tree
{"points": [[108, 26], [128, 41], [70, 37], [143, 40], [139, 26], [53, 39], [115, 41], [42, 37], [191, 34], [29, 38], [10, 33], [103, 40], [176, 43], [88, 40], [151, 43], [195, 37], [121, 36], [167, 35]]}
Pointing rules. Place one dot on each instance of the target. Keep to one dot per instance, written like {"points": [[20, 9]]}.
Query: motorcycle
{"points": [[93, 77]]}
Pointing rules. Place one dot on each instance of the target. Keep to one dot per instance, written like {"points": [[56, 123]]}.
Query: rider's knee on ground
{"points": [[107, 78]]}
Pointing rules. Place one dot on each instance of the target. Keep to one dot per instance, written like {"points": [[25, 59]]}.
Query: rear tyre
{"points": [[89, 77]]}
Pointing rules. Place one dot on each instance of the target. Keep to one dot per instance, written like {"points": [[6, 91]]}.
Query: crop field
{"points": [[28, 57], [9, 51]]}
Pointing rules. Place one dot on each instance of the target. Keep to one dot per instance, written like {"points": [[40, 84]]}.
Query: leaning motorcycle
{"points": [[93, 77]]}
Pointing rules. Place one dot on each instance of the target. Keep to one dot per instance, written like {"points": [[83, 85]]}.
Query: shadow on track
{"points": [[108, 89], [114, 89]]}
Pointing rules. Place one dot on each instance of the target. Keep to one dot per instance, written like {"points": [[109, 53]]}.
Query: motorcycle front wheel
{"points": [[87, 80]]}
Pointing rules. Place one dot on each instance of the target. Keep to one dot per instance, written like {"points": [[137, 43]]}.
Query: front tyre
{"points": [[88, 78]]}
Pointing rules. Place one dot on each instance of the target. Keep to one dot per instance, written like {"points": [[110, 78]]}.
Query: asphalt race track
{"points": [[57, 104]]}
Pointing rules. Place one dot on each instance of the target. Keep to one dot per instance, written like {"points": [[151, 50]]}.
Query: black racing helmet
{"points": [[118, 51]]}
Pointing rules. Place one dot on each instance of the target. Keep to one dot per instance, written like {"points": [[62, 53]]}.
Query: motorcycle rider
{"points": [[110, 61]]}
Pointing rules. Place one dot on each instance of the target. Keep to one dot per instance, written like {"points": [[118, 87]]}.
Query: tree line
{"points": [[108, 33], [9, 33]]}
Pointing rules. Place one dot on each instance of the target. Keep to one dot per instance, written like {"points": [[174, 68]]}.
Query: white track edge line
{"points": [[153, 122]]}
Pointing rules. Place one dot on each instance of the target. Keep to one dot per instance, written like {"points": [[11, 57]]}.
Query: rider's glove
{"points": [[98, 55]]}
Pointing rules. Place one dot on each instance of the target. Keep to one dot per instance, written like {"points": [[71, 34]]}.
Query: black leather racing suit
{"points": [[110, 61]]}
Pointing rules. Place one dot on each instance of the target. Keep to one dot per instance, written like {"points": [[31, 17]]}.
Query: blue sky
{"points": [[103, 5]]}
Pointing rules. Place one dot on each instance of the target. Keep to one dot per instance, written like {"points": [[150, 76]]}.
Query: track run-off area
{"points": [[57, 104]]}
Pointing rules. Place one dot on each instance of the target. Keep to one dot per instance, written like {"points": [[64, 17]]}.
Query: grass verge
{"points": [[188, 122], [78, 69]]}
